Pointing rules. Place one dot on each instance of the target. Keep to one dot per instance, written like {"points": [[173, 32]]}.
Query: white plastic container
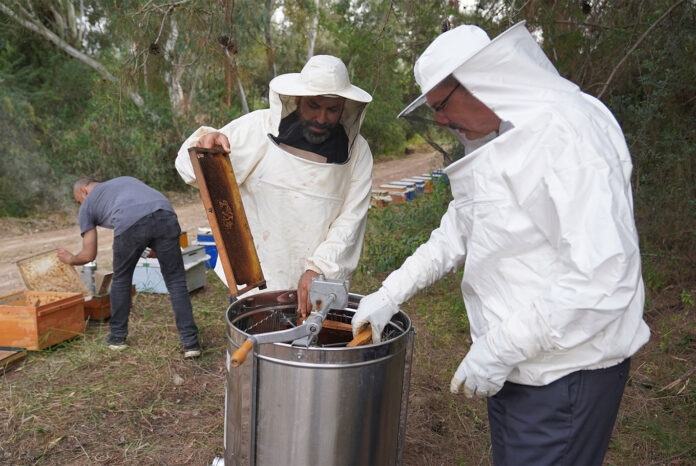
{"points": [[148, 278]]}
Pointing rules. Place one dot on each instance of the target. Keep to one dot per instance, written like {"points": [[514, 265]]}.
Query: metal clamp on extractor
{"points": [[324, 294]]}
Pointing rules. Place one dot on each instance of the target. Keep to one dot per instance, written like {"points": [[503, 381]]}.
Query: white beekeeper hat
{"points": [[322, 75], [445, 54]]}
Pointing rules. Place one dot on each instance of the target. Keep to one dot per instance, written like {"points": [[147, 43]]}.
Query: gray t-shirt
{"points": [[119, 203]]}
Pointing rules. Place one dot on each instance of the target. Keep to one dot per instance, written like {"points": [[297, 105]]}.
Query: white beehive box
{"points": [[148, 278]]}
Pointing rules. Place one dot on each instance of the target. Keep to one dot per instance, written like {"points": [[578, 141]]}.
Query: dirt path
{"points": [[15, 246]]}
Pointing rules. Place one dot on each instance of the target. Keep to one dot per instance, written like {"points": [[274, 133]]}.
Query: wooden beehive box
{"points": [[99, 307], [10, 357], [38, 319]]}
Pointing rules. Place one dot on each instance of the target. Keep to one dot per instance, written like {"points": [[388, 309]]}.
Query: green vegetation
{"points": [[162, 70], [80, 403], [113, 88], [394, 233]]}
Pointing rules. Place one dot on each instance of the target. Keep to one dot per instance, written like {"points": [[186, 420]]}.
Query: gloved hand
{"points": [[480, 371], [377, 310]]}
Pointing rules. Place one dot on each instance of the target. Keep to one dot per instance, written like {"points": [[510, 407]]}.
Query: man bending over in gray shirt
{"points": [[141, 217]]}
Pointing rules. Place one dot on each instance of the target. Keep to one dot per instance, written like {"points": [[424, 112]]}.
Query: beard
{"points": [[316, 138]]}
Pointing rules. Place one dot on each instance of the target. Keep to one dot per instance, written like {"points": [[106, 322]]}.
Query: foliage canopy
{"points": [[108, 88]]}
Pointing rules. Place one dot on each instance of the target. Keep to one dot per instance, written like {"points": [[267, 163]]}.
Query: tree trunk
{"points": [[36, 26], [240, 87], [173, 76], [270, 50], [242, 95], [228, 67], [313, 31]]}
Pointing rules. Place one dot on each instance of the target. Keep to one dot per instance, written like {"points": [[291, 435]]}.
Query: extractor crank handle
{"points": [[239, 356], [321, 308], [290, 334]]}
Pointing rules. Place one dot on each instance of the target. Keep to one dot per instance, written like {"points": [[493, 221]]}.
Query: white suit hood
{"points": [[542, 218]]}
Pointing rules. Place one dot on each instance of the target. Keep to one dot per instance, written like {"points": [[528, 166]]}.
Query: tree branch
{"points": [[640, 39], [384, 23], [681, 379], [67, 48]]}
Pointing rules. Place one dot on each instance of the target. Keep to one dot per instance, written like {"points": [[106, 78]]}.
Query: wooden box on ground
{"points": [[99, 307], [379, 198], [38, 319], [11, 356]]}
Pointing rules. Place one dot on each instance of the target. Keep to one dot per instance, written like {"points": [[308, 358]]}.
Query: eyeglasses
{"points": [[439, 108]]}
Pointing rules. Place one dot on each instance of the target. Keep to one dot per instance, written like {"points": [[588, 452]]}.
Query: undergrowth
{"points": [[80, 403]]}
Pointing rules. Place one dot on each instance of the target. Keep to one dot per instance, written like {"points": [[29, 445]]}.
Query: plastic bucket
{"points": [[210, 249]]}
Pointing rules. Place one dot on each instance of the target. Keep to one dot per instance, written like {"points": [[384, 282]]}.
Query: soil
{"points": [[21, 238]]}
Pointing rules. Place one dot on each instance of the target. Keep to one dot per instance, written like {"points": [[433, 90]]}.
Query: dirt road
{"points": [[15, 246]]}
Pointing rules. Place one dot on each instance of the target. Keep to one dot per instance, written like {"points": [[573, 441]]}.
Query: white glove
{"points": [[481, 372], [377, 310]]}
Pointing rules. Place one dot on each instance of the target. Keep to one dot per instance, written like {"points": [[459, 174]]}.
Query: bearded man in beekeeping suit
{"points": [[542, 222], [304, 173]]}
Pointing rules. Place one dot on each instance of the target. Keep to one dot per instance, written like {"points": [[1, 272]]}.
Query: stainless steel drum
{"points": [[320, 405]]}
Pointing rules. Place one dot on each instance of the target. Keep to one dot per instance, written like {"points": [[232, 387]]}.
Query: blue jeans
{"points": [[567, 422], [160, 232]]}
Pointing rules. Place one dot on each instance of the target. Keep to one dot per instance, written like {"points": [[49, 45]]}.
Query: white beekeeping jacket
{"points": [[302, 214], [542, 222]]}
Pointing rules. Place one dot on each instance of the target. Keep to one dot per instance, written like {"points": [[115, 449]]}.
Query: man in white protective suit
{"points": [[542, 223], [304, 174]]}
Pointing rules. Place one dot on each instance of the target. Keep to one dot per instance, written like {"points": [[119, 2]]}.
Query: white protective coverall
{"points": [[542, 222], [303, 215]]}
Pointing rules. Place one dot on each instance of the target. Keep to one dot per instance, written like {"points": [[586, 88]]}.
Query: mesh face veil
{"points": [[449, 142]]}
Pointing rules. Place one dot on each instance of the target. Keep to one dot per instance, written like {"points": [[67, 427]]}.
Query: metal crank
{"points": [[324, 294]]}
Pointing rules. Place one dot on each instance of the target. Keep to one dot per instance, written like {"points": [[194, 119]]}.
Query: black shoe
{"points": [[115, 343], [192, 351]]}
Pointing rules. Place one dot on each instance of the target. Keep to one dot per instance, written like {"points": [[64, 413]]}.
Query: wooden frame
{"points": [[223, 205]]}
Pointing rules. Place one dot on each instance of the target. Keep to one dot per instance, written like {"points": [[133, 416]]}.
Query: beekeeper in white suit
{"points": [[542, 222], [304, 173]]}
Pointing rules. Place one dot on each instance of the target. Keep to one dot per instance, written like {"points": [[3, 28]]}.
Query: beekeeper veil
{"points": [[510, 74], [322, 75]]}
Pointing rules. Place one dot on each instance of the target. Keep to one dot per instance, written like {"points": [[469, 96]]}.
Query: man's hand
{"points": [[377, 310], [88, 252], [65, 256], [214, 139], [480, 371], [304, 306]]}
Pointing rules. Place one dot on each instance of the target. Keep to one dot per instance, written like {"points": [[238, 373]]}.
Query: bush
{"points": [[27, 181], [394, 233]]}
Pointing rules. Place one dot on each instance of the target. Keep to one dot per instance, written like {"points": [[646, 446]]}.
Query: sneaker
{"points": [[192, 351], [115, 343]]}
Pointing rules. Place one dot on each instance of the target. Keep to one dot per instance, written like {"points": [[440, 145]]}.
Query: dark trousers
{"points": [[568, 422], [160, 232]]}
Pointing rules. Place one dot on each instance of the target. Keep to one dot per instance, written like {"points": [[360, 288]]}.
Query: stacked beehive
{"points": [[405, 189]]}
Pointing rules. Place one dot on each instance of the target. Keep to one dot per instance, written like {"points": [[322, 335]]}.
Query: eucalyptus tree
{"points": [[380, 41], [67, 25]]}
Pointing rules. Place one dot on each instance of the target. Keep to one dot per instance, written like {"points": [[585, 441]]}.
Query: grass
{"points": [[80, 403]]}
